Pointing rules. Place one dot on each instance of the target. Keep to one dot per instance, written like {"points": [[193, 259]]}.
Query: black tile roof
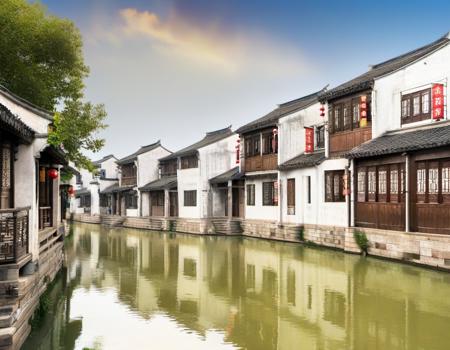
{"points": [[165, 182], [97, 163], [210, 138], [404, 141], [304, 160], [132, 157], [82, 192], [232, 174], [13, 125], [26, 104], [365, 81], [271, 119], [116, 188]]}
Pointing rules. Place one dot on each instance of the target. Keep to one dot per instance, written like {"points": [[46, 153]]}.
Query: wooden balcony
{"points": [[344, 141], [14, 234], [261, 163], [129, 180]]}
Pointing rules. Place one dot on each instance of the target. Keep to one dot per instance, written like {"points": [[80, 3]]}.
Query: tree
{"points": [[41, 56], [74, 130], [41, 60]]}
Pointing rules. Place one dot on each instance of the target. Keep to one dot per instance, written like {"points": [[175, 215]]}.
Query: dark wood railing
{"points": [[45, 217], [261, 163], [129, 180], [14, 234]]}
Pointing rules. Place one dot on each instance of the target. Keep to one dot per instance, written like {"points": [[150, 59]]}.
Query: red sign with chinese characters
{"points": [[437, 101], [309, 140]]}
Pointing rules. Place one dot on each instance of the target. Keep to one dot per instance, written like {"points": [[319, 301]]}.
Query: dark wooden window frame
{"points": [[6, 146], [371, 192], [290, 196], [332, 196], [190, 198], [251, 194], [253, 145], [320, 137], [351, 105], [189, 162], [269, 194], [408, 116]]}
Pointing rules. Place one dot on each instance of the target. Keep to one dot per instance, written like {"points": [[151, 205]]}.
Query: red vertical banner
{"points": [[437, 101], [309, 140], [238, 151], [363, 111], [275, 140]]}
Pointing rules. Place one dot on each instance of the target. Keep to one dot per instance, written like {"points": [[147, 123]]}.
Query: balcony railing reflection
{"points": [[14, 234]]}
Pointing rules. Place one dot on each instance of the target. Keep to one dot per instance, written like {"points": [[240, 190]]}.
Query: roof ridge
{"points": [[285, 104], [441, 40], [219, 131]]}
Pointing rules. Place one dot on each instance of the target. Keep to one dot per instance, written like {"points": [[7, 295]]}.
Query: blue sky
{"points": [[173, 70]]}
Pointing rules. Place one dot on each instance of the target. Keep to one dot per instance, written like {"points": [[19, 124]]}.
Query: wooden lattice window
{"points": [[334, 186], [270, 194], [361, 178], [190, 198], [6, 161], [251, 194], [416, 106], [291, 196]]}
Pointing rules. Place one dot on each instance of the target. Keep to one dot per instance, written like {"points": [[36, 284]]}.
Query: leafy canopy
{"points": [[42, 61]]}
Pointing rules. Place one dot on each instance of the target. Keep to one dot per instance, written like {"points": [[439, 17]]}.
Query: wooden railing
{"points": [[45, 217], [344, 141], [14, 234], [129, 180], [261, 163]]}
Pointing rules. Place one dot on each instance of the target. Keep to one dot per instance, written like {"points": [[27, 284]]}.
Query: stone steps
{"points": [[112, 220]]}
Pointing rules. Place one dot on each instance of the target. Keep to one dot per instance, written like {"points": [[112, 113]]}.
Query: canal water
{"points": [[132, 289]]}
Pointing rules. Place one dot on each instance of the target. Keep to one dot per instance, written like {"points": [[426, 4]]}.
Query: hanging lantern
{"points": [[238, 151], [322, 111], [274, 140], [52, 174], [71, 190]]}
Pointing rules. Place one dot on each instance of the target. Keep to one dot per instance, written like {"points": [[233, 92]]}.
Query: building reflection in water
{"points": [[241, 293]]}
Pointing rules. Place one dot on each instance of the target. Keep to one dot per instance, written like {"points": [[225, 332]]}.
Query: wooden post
{"points": [[407, 193]]}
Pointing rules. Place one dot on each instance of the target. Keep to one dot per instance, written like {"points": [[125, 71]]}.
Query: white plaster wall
{"points": [[110, 167], [318, 212], [148, 170], [259, 211], [36, 122], [94, 187], [145, 203], [292, 133], [188, 180], [386, 96], [215, 159], [148, 166]]}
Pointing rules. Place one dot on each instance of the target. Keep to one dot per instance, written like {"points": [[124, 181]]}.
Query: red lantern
{"points": [[322, 110], [70, 190], [52, 174]]}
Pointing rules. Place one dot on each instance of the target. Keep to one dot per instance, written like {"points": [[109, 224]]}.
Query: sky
{"points": [[172, 70]]}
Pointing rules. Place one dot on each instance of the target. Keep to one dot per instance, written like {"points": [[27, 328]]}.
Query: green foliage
{"points": [[41, 311], [301, 234], [42, 61], [41, 55], [65, 175], [361, 240], [75, 130]]}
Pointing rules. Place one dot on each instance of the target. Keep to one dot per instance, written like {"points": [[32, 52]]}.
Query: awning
{"points": [[232, 174], [82, 192], [52, 154], [166, 182], [304, 160], [13, 125], [116, 189], [404, 141]]}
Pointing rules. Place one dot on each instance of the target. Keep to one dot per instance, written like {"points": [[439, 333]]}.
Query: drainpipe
{"points": [[407, 194], [347, 195], [352, 192]]}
